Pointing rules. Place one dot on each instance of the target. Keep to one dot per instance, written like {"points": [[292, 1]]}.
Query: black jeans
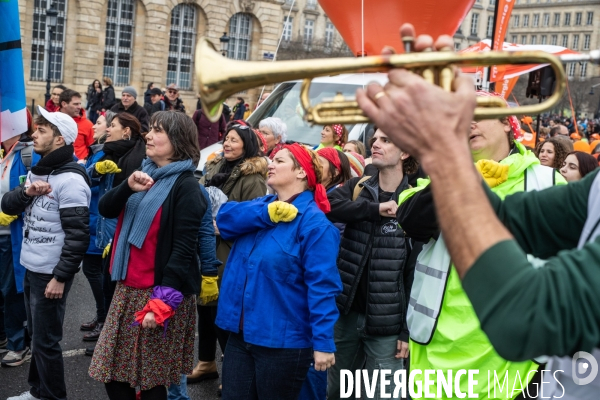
{"points": [[209, 333], [45, 323], [92, 269], [257, 372]]}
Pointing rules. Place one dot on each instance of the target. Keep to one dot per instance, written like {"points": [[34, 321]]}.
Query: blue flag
{"points": [[13, 116]]}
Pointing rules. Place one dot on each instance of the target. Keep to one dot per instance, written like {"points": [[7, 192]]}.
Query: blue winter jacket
{"points": [[17, 170], [283, 275], [207, 241], [93, 248]]}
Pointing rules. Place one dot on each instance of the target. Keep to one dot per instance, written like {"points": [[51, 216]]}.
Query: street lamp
{"points": [[224, 44], [51, 22]]}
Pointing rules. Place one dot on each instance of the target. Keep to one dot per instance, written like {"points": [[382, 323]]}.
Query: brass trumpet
{"points": [[220, 77]]}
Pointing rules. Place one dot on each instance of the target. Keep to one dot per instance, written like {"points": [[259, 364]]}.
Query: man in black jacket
{"points": [[129, 104], [55, 199], [373, 262]]}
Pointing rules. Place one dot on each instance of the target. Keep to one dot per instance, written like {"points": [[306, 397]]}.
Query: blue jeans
{"points": [[179, 392], [15, 317], [315, 385], [257, 372], [45, 319]]}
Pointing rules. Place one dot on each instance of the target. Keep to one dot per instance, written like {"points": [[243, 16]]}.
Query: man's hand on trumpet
{"points": [[419, 117]]}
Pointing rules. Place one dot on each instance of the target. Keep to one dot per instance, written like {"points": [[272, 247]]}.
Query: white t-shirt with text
{"points": [[43, 236]]}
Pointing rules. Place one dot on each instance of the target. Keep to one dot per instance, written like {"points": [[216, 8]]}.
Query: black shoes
{"points": [[94, 334], [89, 326]]}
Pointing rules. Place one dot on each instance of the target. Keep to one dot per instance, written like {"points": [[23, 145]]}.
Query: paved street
{"points": [[80, 308]]}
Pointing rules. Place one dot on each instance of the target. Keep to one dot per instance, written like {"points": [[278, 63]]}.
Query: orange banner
{"points": [[504, 10], [506, 87]]}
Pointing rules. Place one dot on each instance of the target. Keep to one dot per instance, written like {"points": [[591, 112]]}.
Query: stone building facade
{"points": [[136, 42], [574, 24]]}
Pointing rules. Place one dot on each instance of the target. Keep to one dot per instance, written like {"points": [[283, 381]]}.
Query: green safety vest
{"points": [[444, 329]]}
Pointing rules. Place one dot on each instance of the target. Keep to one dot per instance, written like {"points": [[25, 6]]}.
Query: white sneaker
{"points": [[16, 358], [23, 396]]}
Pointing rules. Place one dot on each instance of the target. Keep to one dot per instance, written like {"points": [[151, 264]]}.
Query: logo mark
{"points": [[581, 364]]}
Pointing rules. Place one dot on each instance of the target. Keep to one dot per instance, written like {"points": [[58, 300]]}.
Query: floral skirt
{"points": [[140, 356]]}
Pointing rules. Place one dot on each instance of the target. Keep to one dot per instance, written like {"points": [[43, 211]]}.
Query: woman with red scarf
{"points": [[278, 291]]}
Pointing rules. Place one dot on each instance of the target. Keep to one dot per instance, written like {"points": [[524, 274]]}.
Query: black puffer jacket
{"points": [[378, 243], [75, 223], [137, 111]]}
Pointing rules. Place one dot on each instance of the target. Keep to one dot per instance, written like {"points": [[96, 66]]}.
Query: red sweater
{"points": [[85, 136], [140, 271]]}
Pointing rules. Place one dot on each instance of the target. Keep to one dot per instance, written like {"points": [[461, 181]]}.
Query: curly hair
{"points": [[560, 152]]}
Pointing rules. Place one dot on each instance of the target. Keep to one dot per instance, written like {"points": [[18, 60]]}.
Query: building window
{"points": [[516, 21], [39, 48], [565, 40], [571, 70], [525, 20], [567, 19], [556, 19], [553, 40], [533, 39], [576, 42], [523, 39], [240, 32], [120, 17], [311, 4], [583, 71], [474, 24], [544, 39], [287, 28], [456, 46], [489, 30], [586, 42], [536, 20], [492, 3], [329, 31], [578, 18], [590, 18], [181, 46], [309, 26], [546, 20], [514, 39]]}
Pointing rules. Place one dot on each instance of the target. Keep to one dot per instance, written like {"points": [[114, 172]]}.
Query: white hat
{"points": [[65, 124]]}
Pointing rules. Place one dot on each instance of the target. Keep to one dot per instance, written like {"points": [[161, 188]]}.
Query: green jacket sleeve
{"points": [[529, 312], [545, 222]]}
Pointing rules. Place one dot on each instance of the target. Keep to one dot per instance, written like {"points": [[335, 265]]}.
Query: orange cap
{"points": [[582, 146], [575, 136]]}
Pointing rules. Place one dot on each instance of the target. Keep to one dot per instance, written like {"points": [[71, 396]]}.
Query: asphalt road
{"points": [[81, 308]]}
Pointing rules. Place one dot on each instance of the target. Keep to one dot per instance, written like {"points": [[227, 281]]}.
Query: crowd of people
{"points": [[298, 261]]}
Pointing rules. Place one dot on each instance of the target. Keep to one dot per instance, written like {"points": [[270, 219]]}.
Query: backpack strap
{"points": [[358, 188], [26, 155]]}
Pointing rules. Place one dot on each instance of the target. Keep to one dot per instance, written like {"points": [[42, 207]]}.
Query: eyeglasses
{"points": [[240, 126], [172, 91]]}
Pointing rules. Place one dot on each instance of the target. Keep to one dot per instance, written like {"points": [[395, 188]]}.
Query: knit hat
{"points": [[357, 164], [130, 90], [65, 124]]}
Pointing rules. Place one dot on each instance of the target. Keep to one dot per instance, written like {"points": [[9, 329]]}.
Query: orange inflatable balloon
{"points": [[380, 20]]}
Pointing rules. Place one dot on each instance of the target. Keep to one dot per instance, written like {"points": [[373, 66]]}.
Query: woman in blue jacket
{"points": [[278, 292]]}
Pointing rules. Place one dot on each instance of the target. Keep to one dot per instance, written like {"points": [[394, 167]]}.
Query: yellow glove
{"points": [[6, 219], [106, 251], [107, 167], [280, 211], [209, 291], [494, 173]]}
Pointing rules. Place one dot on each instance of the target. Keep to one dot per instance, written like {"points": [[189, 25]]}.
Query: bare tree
{"points": [[300, 50], [583, 102]]}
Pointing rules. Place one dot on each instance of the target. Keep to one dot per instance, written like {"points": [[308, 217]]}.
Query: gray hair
{"points": [[109, 115], [277, 126]]}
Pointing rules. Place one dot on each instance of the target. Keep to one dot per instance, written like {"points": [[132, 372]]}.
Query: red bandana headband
{"points": [[304, 159], [512, 120], [338, 129], [261, 138], [331, 154]]}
